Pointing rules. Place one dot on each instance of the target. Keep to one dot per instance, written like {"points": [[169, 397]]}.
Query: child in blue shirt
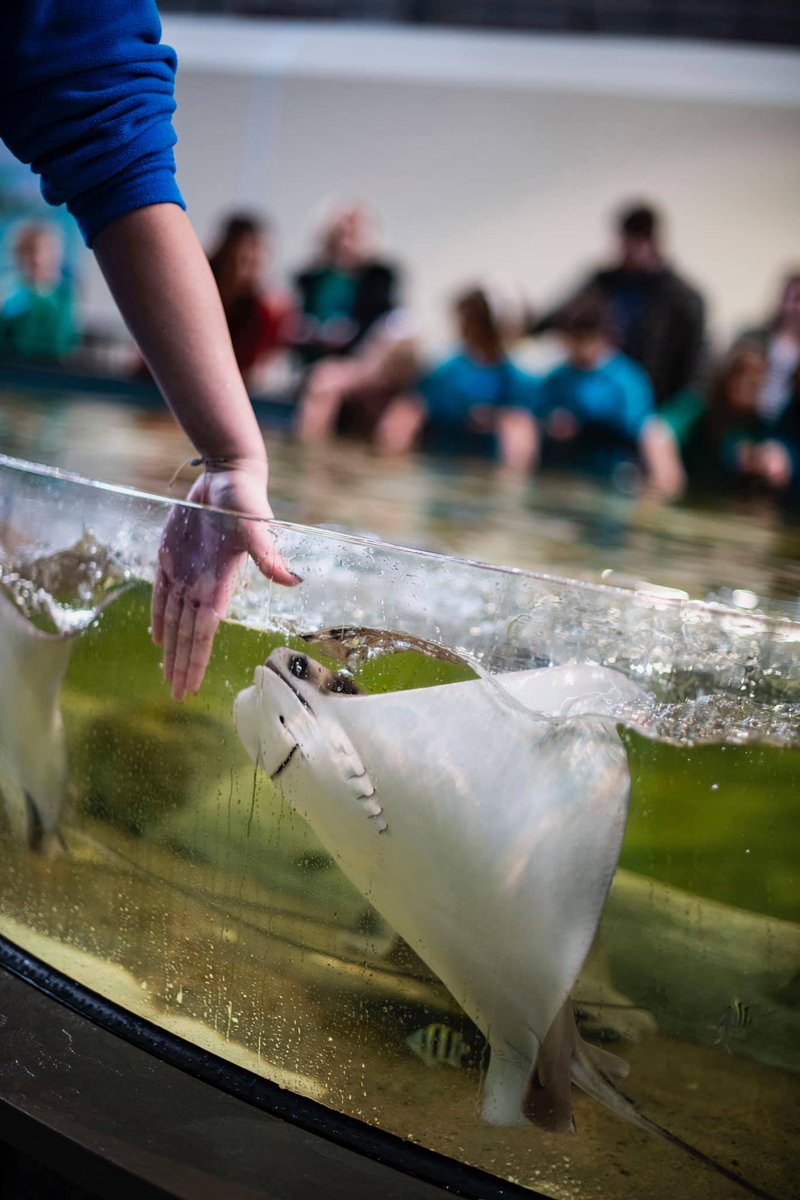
{"points": [[598, 410], [475, 402]]}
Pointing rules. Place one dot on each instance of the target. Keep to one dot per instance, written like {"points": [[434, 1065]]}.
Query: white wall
{"points": [[497, 153]]}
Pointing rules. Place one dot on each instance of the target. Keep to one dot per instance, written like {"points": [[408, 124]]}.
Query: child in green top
{"points": [[36, 318]]}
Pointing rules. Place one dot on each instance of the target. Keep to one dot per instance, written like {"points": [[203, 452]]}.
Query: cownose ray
{"points": [[484, 821], [485, 831], [33, 761]]}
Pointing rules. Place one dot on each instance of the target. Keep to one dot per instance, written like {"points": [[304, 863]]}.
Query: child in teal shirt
{"points": [[478, 401], [36, 317], [598, 410]]}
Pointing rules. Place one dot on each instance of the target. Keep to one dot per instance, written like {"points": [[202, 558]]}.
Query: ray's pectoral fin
{"points": [[564, 1057], [354, 773]]}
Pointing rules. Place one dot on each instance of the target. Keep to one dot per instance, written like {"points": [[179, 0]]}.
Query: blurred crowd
{"points": [[627, 385]]}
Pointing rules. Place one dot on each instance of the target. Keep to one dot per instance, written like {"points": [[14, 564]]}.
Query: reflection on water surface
{"points": [[564, 525]]}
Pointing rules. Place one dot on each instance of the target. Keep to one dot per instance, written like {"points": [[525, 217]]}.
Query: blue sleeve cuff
{"points": [[124, 193], [86, 97]]}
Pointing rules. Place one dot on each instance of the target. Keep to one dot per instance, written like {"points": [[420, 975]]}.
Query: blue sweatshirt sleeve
{"points": [[86, 97]]}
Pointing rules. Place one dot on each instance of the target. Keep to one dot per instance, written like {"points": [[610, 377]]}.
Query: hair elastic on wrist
{"points": [[208, 461]]}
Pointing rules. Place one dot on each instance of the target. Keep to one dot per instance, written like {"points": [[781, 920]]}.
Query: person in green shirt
{"points": [[725, 438], [36, 318]]}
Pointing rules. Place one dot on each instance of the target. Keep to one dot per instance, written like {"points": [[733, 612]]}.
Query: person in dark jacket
{"points": [[86, 97], [659, 319]]}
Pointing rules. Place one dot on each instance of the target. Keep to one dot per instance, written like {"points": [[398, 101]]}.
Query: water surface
{"points": [[561, 524]]}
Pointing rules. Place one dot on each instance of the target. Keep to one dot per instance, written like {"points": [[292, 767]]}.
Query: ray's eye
{"points": [[298, 666]]}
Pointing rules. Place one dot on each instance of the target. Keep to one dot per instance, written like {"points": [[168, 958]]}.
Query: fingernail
{"points": [[299, 578]]}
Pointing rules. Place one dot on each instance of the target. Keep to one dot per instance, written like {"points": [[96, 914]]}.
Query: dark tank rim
{"points": [[389, 1155]]}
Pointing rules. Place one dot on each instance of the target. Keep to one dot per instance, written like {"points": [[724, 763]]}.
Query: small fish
{"points": [[734, 1020], [438, 1044]]}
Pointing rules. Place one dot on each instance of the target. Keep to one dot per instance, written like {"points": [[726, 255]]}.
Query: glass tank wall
{"points": [[385, 870]]}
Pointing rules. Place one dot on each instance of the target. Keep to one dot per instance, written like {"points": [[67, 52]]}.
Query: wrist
{"points": [[215, 464]]}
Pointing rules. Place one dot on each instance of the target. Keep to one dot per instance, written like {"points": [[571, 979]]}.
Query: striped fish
{"points": [[438, 1044]]}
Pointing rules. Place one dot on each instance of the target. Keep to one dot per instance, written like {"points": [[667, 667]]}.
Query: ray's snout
{"points": [[262, 714]]}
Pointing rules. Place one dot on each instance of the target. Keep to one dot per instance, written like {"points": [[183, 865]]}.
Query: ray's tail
{"points": [[598, 1073]]}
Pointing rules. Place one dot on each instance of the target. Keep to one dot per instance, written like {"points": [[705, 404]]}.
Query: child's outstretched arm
{"points": [[164, 288], [86, 97], [661, 458]]}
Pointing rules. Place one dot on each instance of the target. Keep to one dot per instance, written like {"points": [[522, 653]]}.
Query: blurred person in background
{"points": [[475, 402], [261, 322], [755, 451], [345, 289], [349, 395], [778, 340], [37, 322], [597, 410], [658, 318], [356, 344], [744, 431]]}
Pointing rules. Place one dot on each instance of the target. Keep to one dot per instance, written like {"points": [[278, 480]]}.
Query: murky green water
{"points": [[184, 888], [187, 891]]}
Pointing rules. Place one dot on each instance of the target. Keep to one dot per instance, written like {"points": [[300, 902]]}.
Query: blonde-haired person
{"points": [[351, 339], [477, 401]]}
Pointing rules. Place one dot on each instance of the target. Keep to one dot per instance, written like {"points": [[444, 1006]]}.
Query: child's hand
{"points": [[562, 426], [746, 457], [774, 464], [199, 561], [481, 418]]}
